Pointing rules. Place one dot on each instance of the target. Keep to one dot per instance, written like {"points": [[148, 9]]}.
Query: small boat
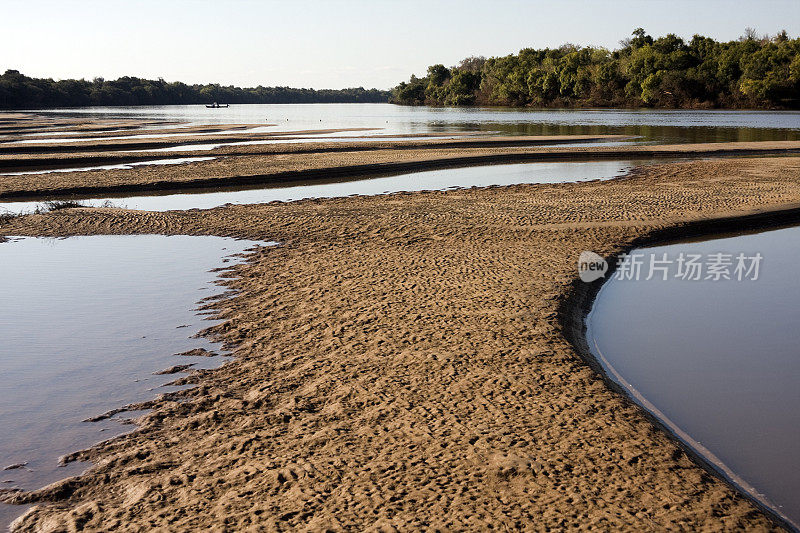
{"points": [[216, 106]]}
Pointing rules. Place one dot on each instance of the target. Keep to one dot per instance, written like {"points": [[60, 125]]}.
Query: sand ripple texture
{"points": [[404, 362]]}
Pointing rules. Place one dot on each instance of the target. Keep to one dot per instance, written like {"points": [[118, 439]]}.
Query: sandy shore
{"points": [[411, 361], [23, 162], [124, 130], [99, 154], [306, 161]]}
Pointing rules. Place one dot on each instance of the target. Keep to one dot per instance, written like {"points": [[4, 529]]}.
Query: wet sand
{"points": [[414, 361]]}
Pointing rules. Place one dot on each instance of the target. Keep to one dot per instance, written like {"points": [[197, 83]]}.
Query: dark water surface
{"points": [[718, 360], [84, 323]]}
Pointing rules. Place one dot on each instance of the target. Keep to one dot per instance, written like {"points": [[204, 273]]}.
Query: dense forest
{"points": [[752, 72], [18, 91]]}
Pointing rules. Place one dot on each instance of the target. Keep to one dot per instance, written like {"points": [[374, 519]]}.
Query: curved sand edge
{"points": [[579, 302], [402, 362]]}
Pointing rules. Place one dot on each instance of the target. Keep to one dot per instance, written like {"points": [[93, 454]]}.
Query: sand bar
{"points": [[411, 361]]}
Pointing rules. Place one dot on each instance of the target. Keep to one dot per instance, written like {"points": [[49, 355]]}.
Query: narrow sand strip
{"points": [[300, 165], [299, 145]]}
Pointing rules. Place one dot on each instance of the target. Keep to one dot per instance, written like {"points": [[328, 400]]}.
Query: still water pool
{"points": [[717, 361]]}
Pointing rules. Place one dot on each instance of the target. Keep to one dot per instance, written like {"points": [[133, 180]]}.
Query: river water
{"points": [[85, 322], [717, 360], [651, 125]]}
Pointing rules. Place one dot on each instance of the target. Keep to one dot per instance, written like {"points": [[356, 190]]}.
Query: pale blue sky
{"points": [[336, 43]]}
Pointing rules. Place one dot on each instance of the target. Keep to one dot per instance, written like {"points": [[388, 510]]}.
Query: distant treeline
{"points": [[752, 72], [18, 91]]}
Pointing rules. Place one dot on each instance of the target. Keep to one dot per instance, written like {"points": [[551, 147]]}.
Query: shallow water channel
{"points": [[85, 322], [479, 176], [717, 360]]}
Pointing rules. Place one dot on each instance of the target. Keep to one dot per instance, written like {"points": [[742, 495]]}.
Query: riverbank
{"points": [[406, 361]]}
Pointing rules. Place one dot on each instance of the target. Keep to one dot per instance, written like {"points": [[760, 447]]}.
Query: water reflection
{"points": [[652, 125]]}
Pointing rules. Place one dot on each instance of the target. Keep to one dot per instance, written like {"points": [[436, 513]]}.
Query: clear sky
{"points": [[336, 43]]}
